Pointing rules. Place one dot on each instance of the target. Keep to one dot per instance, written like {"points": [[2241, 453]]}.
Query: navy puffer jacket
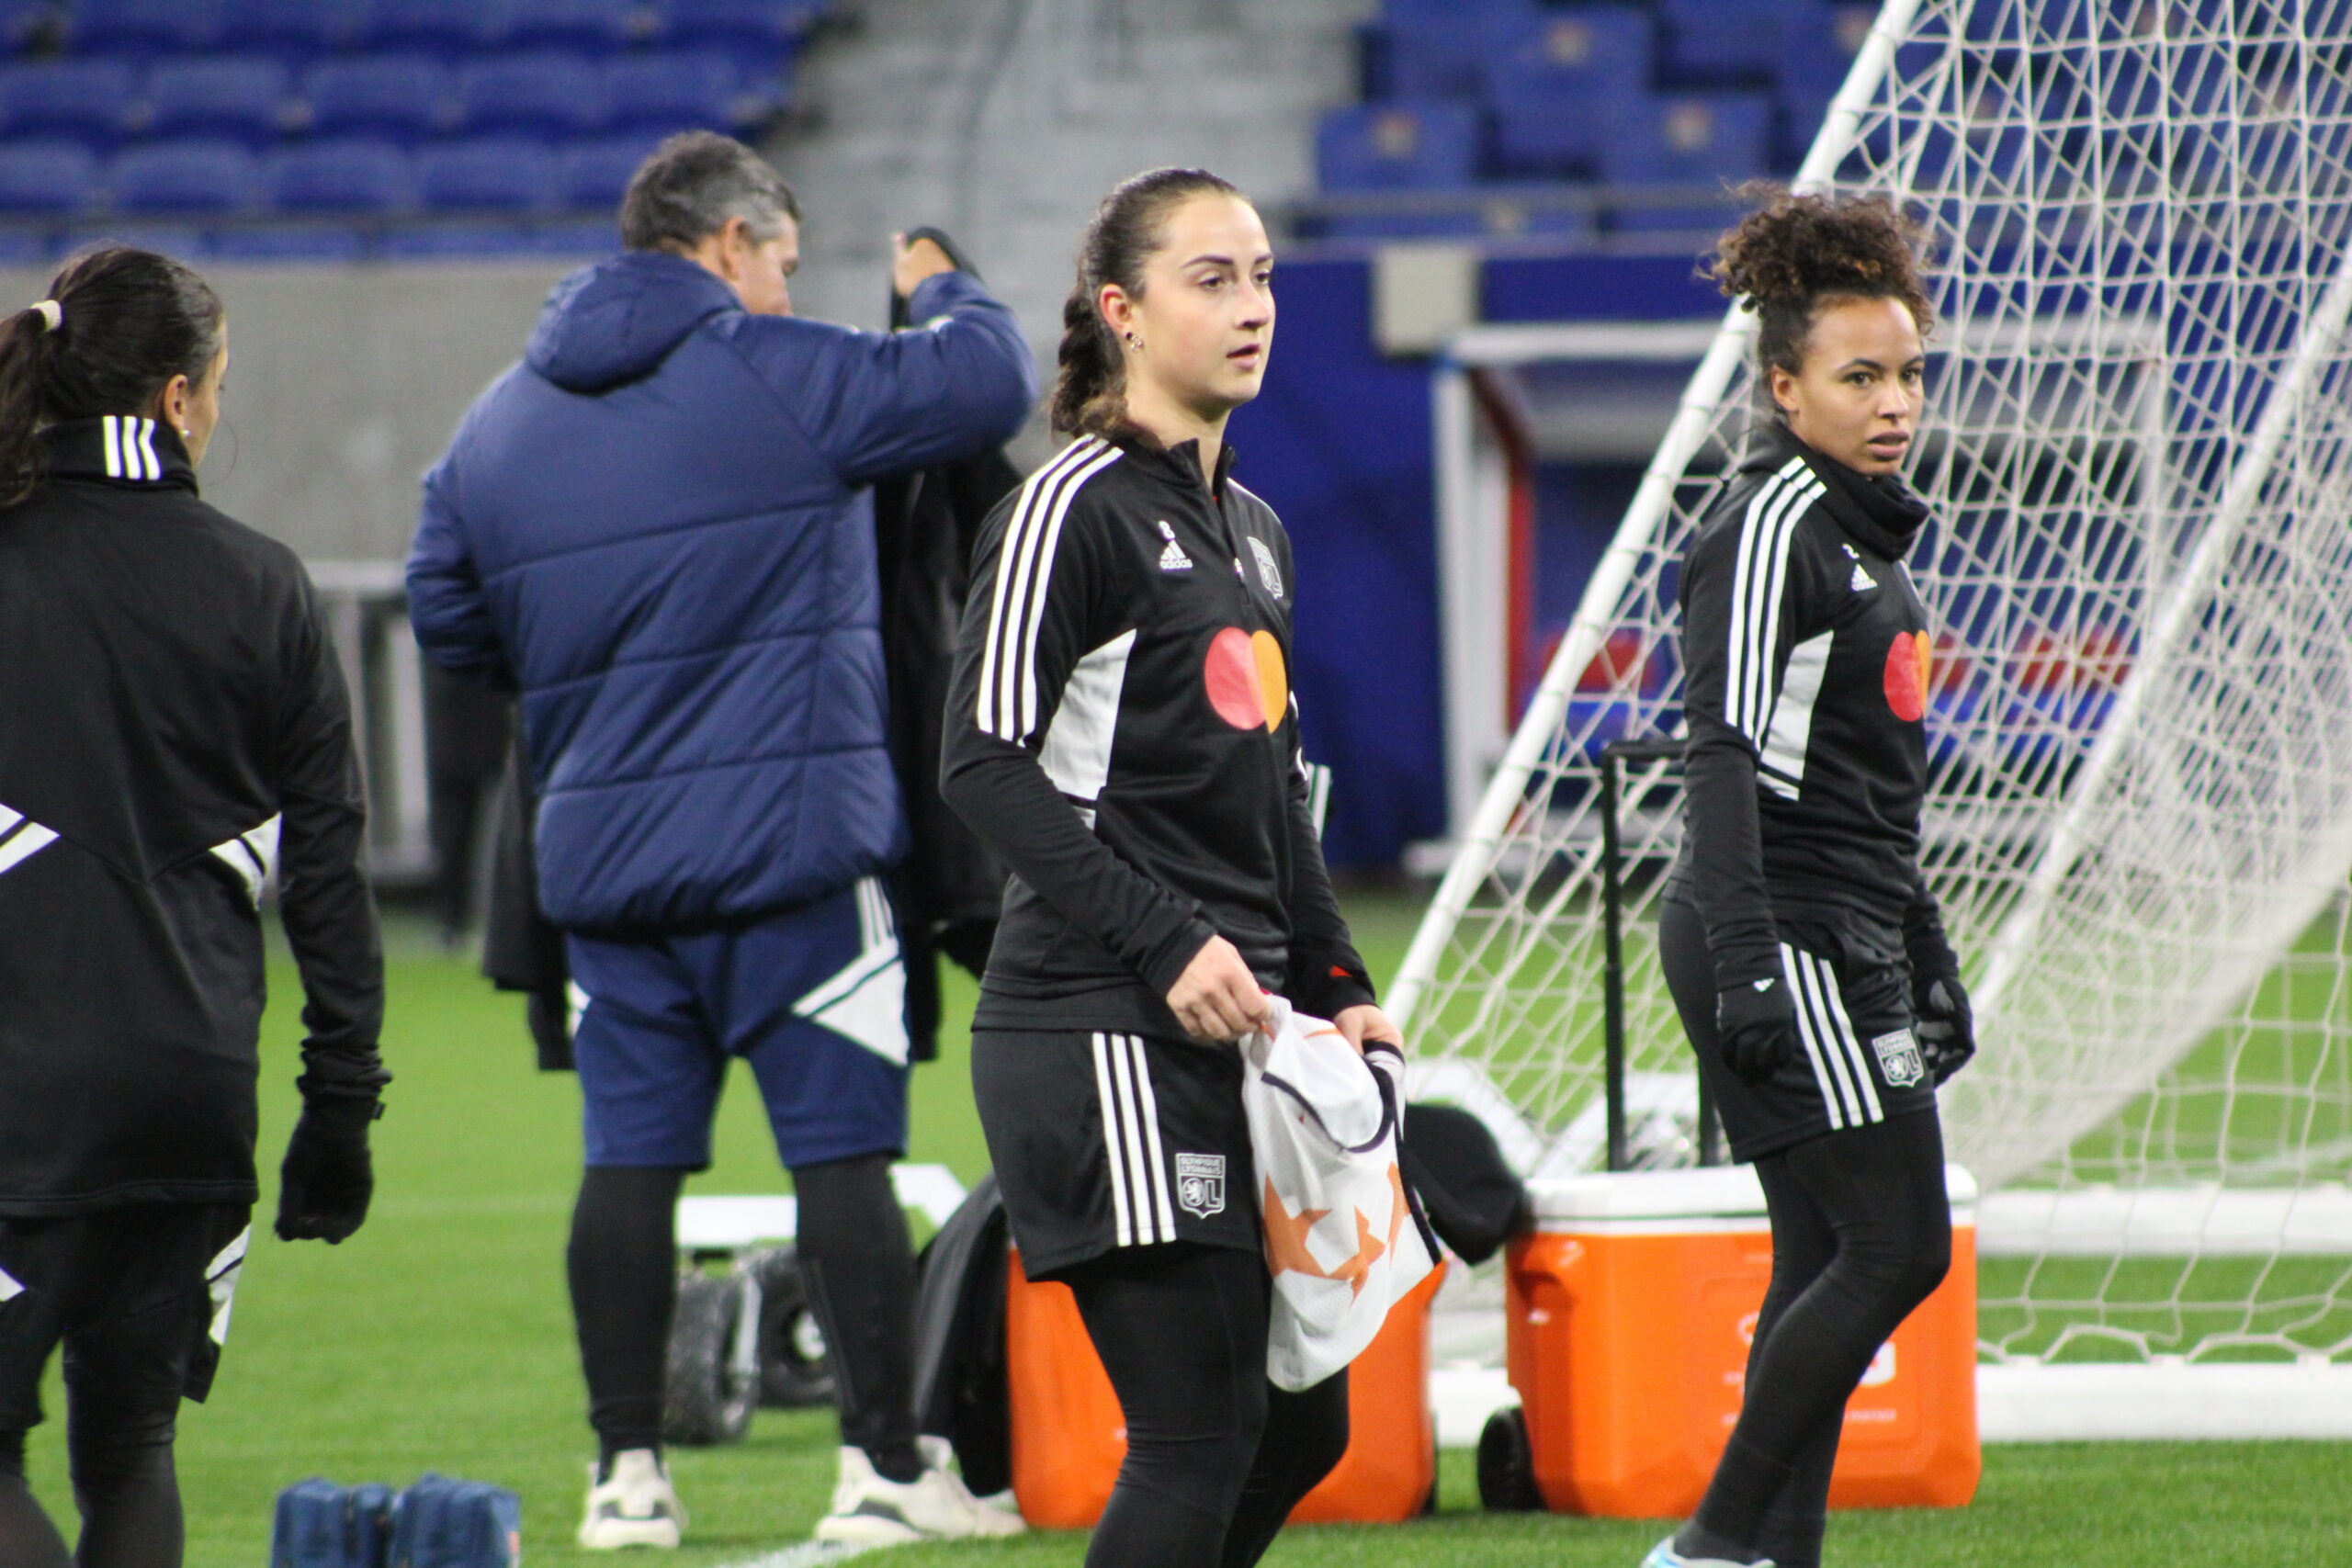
{"points": [[655, 529]]}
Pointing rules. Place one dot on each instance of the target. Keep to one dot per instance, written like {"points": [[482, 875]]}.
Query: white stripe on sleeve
{"points": [[1010, 564]]}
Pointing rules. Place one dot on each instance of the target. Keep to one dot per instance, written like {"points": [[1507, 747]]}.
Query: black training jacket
{"points": [[1121, 730], [173, 722], [1805, 649]]}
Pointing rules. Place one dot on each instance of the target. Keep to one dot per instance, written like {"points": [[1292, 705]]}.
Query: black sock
{"points": [[27, 1538], [623, 1267], [859, 1266]]}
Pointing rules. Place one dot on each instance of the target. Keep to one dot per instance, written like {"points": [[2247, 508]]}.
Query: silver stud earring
{"points": [[1135, 342]]}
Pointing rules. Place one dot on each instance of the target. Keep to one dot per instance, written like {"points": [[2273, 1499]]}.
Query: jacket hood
{"points": [[619, 318]]}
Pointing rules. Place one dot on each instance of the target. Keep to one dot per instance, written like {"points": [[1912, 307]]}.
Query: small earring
{"points": [[1135, 342]]}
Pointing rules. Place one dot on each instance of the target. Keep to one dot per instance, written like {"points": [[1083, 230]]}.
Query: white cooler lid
{"points": [[1713, 1192]]}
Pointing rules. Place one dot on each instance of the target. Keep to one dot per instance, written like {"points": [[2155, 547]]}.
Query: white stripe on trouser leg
{"points": [[1849, 1042], [1816, 1046], [1148, 1107], [1113, 1152]]}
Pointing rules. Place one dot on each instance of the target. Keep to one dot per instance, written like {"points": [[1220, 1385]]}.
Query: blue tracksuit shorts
{"points": [[813, 998]]}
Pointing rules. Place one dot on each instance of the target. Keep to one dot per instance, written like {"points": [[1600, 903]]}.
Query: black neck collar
{"points": [[122, 448]]}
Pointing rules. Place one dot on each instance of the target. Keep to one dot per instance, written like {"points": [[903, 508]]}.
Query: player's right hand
{"points": [[1755, 1028], [1217, 997]]}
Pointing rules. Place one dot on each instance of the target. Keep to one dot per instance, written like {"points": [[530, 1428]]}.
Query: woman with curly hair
{"points": [[1804, 948]]}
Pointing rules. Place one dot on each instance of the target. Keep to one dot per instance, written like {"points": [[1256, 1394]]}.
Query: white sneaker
{"points": [[636, 1506], [998, 1514], [1663, 1555], [869, 1510]]}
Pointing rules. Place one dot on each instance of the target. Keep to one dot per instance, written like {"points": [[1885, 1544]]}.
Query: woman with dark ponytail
{"points": [[1121, 731], [173, 735], [1805, 950]]}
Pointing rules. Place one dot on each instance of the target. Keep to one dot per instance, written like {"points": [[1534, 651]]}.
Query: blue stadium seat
{"points": [[673, 90], [292, 28], [1818, 43], [243, 97], [595, 173], [765, 28], [47, 176], [89, 100], [443, 27], [1721, 43], [501, 174], [587, 237], [184, 240], [290, 242], [1393, 145], [185, 176], [1439, 57], [144, 27], [441, 241], [594, 25], [353, 175], [393, 94], [1691, 139], [546, 93], [1552, 93]]}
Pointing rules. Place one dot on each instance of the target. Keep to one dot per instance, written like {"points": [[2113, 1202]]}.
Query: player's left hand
{"points": [[1947, 1027], [1364, 1022], [327, 1179]]}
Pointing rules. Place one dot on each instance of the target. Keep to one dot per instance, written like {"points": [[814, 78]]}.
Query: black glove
{"points": [[324, 1185], [1947, 1026], [1755, 1028]]}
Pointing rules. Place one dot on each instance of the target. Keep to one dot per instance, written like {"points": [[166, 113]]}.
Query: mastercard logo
{"points": [[1248, 683], [1906, 675]]}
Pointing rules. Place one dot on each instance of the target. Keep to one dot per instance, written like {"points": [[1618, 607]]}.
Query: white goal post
{"points": [[2139, 450]]}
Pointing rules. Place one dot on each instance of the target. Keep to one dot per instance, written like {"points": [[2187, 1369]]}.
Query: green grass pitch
{"points": [[439, 1338]]}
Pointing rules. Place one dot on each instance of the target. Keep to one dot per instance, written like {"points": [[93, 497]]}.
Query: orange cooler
{"points": [[1069, 1437], [1630, 1309]]}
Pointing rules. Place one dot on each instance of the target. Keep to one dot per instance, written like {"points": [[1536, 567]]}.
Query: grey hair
{"points": [[693, 184]]}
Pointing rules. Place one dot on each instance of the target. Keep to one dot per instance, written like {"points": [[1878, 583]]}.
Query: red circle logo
{"points": [[1906, 675], [1246, 682]]}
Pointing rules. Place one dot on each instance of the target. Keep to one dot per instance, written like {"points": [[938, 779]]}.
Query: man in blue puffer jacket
{"points": [[655, 530]]}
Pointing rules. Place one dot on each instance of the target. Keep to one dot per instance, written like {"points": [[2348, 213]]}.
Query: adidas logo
{"points": [[1861, 578], [1172, 557]]}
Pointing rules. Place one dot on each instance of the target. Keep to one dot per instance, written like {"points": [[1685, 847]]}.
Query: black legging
{"points": [[1862, 1234], [855, 1258], [124, 1486], [1216, 1456]]}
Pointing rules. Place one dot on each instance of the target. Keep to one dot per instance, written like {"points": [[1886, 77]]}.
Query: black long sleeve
{"points": [[991, 771], [1327, 974], [324, 899]]}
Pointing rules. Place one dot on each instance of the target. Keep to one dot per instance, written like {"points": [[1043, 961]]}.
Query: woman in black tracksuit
{"points": [[1121, 731], [1802, 947], [173, 732]]}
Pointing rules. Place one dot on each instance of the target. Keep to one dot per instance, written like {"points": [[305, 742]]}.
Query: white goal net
{"points": [[2139, 450]]}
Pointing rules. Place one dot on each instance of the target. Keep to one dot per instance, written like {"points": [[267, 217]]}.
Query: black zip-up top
{"points": [[172, 723], [1805, 647], [1121, 730]]}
